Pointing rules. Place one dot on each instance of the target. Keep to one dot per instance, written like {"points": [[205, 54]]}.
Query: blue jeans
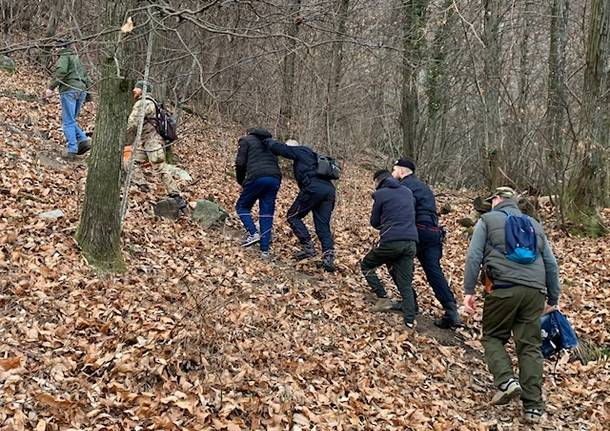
{"points": [[263, 189], [71, 102], [318, 198], [429, 253]]}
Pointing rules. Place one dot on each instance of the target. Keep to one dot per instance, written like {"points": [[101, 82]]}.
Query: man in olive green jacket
{"points": [[514, 302], [72, 80]]}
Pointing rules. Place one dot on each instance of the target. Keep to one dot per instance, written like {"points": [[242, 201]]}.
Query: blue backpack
{"points": [[557, 334], [520, 239]]}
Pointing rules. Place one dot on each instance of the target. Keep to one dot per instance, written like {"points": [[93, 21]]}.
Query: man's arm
{"points": [[552, 274], [241, 161], [280, 149], [376, 214], [63, 66], [474, 257]]}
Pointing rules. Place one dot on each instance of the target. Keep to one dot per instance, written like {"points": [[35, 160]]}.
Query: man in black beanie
{"points": [[430, 245], [393, 214]]}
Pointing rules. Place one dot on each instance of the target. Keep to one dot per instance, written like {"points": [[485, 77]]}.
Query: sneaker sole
{"points": [[511, 393], [248, 244]]}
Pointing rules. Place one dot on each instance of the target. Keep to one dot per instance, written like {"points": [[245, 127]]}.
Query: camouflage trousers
{"points": [[153, 152]]}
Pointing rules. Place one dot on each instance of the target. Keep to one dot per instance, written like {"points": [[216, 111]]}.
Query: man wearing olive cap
{"points": [[514, 299]]}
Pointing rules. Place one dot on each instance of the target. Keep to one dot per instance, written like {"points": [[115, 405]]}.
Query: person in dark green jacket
{"points": [[516, 296], [71, 79]]}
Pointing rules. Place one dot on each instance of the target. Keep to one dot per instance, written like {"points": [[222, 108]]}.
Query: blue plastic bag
{"points": [[557, 334]]}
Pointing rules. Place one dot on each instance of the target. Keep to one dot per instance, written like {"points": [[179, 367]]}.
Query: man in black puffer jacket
{"points": [[259, 174], [393, 215], [316, 195]]}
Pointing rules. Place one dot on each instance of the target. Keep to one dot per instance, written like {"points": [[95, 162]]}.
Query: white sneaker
{"points": [[507, 391], [251, 239]]}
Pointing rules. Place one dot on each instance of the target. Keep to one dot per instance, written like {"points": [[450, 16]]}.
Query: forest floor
{"points": [[202, 334]]}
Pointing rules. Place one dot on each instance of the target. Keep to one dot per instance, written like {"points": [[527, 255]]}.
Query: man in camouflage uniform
{"points": [[152, 146]]}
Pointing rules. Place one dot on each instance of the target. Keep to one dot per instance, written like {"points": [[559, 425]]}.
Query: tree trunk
{"points": [[557, 102], [98, 233], [286, 125], [590, 185], [492, 139], [334, 81], [413, 39]]}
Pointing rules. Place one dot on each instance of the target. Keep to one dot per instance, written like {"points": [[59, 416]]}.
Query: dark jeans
{"points": [[318, 198], [429, 253], [263, 189], [398, 256]]}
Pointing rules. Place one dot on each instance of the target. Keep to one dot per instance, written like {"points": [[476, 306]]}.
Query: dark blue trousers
{"points": [[263, 189], [429, 253], [319, 199]]}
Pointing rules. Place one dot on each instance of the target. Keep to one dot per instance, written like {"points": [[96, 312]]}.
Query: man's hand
{"points": [[548, 308], [470, 304], [48, 93]]}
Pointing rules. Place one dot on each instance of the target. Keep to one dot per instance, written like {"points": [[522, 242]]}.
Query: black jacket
{"points": [[425, 203], [305, 163], [394, 212], [254, 160]]}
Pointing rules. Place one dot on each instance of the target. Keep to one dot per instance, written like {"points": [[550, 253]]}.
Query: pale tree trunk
{"points": [[492, 139], [286, 126], [99, 230], [557, 102], [590, 184], [336, 71], [414, 12]]}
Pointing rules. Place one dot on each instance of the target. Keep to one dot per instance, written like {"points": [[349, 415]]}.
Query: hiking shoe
{"points": [[307, 250], [265, 256], [83, 147], [410, 325], [251, 239], [328, 261], [451, 318], [507, 391], [182, 204], [532, 416], [382, 304]]}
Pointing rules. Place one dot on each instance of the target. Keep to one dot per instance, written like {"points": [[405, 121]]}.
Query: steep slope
{"points": [[200, 334]]}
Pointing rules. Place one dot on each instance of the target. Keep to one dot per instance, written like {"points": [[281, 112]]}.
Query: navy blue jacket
{"points": [[425, 203], [305, 163], [254, 160], [394, 212]]}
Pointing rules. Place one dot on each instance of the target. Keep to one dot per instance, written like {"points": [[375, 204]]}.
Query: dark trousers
{"points": [[429, 253], [398, 256], [264, 190], [318, 199], [515, 310]]}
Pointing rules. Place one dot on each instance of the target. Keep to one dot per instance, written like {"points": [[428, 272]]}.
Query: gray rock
{"points": [[51, 215], [208, 213], [7, 64], [179, 173], [167, 208]]}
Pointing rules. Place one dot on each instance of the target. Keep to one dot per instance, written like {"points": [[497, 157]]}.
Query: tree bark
{"points": [[590, 184], [492, 139], [98, 233], [413, 40], [336, 71], [286, 125]]}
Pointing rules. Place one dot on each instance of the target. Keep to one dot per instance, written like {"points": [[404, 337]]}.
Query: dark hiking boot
{"points": [[83, 147], [451, 318], [182, 204], [328, 261], [307, 250]]}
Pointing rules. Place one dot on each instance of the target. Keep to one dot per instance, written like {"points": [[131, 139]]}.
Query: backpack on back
{"points": [[557, 334], [328, 168], [520, 239], [164, 122]]}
